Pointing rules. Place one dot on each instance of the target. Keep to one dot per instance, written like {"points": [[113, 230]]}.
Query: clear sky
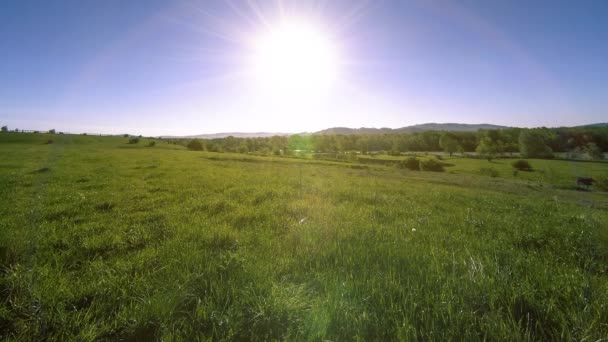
{"points": [[185, 67]]}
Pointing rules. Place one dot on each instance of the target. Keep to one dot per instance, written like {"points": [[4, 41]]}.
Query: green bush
{"points": [[411, 163], [522, 165], [195, 145], [152, 143], [134, 141], [432, 165]]}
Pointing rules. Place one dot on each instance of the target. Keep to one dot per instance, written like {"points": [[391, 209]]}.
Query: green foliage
{"points": [[532, 144], [300, 143], [522, 165], [134, 141], [52, 131], [195, 145], [243, 148], [152, 143], [449, 143], [411, 163], [490, 144], [432, 165], [594, 151], [4, 128]]}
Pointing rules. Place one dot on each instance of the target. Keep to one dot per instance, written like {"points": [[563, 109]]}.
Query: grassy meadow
{"points": [[104, 240]]}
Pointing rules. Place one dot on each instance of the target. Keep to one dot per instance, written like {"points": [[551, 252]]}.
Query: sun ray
{"points": [[355, 13], [235, 9], [258, 13]]}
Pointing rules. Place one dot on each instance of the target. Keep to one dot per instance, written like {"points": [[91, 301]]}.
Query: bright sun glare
{"points": [[294, 59]]}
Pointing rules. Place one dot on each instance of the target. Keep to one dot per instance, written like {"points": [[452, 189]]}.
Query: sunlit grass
{"points": [[99, 241]]}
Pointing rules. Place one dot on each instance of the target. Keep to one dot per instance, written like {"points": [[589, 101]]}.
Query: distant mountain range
{"points": [[410, 129], [232, 134], [602, 124], [456, 127]]}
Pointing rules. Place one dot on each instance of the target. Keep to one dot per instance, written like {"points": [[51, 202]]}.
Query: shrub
{"points": [[52, 131], [522, 165], [411, 163], [48, 142], [134, 141], [152, 143], [195, 145], [439, 157], [432, 165], [489, 171]]}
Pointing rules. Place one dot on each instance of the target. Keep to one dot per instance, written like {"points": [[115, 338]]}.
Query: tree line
{"points": [[532, 143]]}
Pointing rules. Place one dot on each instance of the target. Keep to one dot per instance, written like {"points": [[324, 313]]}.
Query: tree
{"points": [[243, 147], [449, 143], [195, 145], [299, 143], [487, 148], [490, 143], [594, 151], [52, 131], [4, 129], [532, 144]]}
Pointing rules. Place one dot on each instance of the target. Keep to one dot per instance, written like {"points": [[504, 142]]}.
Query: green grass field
{"points": [[102, 240]]}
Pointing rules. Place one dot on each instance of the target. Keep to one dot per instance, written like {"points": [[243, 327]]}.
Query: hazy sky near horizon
{"points": [[183, 67]]}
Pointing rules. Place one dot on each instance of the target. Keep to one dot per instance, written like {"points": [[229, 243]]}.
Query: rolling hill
{"points": [[410, 129], [455, 127]]}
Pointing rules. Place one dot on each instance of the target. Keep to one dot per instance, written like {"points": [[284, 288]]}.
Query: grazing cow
{"points": [[584, 181]]}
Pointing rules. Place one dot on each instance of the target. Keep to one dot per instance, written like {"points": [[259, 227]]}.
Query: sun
{"points": [[294, 58]]}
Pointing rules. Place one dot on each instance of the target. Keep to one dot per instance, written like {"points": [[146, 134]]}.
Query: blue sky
{"points": [[159, 67]]}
